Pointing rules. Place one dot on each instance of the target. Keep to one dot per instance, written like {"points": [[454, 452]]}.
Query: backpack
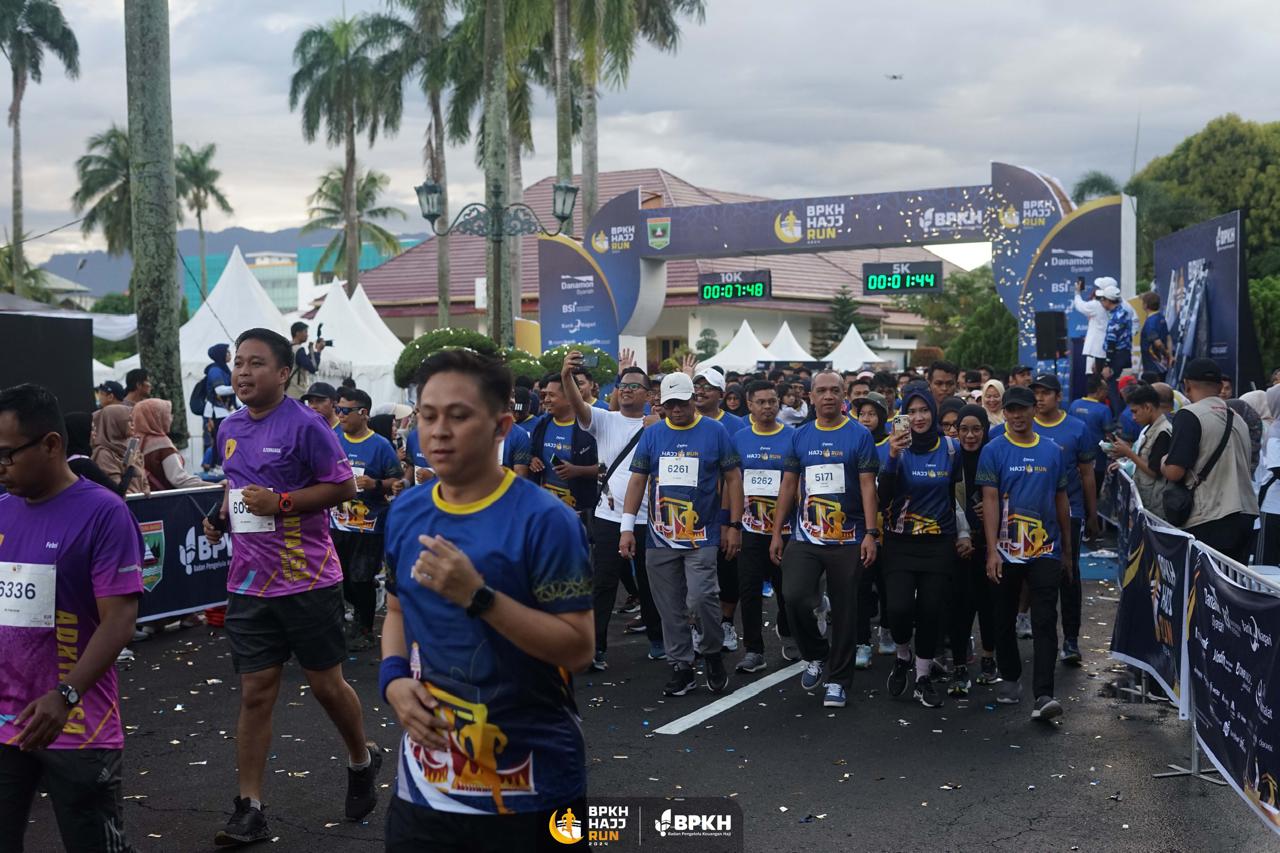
{"points": [[195, 403]]}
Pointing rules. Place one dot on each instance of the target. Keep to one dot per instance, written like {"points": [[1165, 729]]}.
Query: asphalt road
{"points": [[879, 775]]}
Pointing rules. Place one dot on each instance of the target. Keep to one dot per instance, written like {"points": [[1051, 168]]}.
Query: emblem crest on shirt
{"points": [[229, 448]]}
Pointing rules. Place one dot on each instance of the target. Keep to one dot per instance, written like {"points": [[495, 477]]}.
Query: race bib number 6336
{"points": [[27, 595]]}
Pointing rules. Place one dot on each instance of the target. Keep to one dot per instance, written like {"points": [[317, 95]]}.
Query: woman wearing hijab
{"points": [[110, 437], [917, 488], [1268, 482], [949, 415], [972, 591], [80, 447], [152, 420], [872, 411], [735, 401], [993, 401]]}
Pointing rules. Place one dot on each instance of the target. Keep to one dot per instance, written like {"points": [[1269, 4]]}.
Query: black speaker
{"points": [[1051, 335], [53, 352]]}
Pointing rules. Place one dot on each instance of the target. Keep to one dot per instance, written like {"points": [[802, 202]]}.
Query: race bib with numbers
{"points": [[762, 482], [824, 479], [357, 471], [678, 471], [244, 521], [27, 595]]}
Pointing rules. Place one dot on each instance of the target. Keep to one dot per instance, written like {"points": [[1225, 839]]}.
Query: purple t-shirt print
{"points": [[92, 541], [290, 449]]}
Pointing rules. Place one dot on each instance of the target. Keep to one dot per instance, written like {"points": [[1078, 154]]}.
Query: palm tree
{"points": [[337, 85], [198, 188], [28, 28], [104, 194], [327, 210], [1094, 184]]}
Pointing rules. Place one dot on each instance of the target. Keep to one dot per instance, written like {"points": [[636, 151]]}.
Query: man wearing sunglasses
{"points": [[70, 556]]}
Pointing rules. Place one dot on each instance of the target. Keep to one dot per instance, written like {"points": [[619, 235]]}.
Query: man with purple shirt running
{"points": [[285, 470], [70, 577]]}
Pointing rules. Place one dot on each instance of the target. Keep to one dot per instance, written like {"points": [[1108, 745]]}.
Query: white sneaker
{"points": [[730, 637], [790, 649], [821, 612], [126, 655], [1023, 626]]}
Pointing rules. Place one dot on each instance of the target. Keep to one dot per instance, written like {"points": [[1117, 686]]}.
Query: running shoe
{"points": [[960, 682], [246, 826], [631, 605], [126, 655], [635, 626], [751, 662], [717, 678], [887, 645], [362, 785], [1023, 626], [988, 674], [657, 651], [926, 693], [1010, 693], [897, 684], [835, 696], [863, 658], [598, 663], [1070, 652], [682, 681], [730, 637], [767, 590], [821, 613], [1047, 708], [790, 650], [812, 675]]}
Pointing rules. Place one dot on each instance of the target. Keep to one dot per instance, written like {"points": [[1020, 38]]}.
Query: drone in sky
{"points": [[893, 76]]}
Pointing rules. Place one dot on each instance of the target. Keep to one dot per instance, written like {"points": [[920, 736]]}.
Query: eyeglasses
{"points": [[630, 386], [346, 410], [7, 453]]}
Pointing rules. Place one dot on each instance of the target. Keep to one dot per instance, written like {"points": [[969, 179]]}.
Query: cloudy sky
{"points": [[782, 99]]}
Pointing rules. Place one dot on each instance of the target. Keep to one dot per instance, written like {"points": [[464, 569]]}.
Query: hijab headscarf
{"points": [[218, 354], [79, 432], [878, 402], [152, 420], [994, 417], [922, 442], [110, 435], [385, 426], [1257, 400], [970, 460], [741, 409]]}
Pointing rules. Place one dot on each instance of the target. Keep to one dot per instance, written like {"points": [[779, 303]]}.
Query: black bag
{"points": [[1179, 499]]}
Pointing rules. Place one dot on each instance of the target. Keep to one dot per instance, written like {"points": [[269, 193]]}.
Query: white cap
{"points": [[1108, 288], [714, 377], [676, 386]]}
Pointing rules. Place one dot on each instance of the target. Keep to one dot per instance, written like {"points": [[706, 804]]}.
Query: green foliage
{"points": [[923, 356], [1264, 295], [1093, 185], [326, 212], [529, 369], [989, 336], [830, 330], [114, 303], [707, 345], [198, 183], [553, 359], [109, 352], [104, 191], [33, 278], [946, 313], [418, 350], [668, 365], [510, 354]]}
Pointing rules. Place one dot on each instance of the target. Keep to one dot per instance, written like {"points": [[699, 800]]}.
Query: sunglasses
{"points": [[346, 410]]}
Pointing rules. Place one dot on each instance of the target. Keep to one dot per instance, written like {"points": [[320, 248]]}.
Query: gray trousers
{"points": [[684, 582]]}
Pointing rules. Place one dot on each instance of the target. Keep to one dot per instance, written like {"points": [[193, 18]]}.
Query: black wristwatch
{"points": [[875, 532], [735, 525], [69, 694], [481, 601]]}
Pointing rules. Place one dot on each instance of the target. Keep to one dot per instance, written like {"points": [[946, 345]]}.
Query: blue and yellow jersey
{"points": [[683, 465], [370, 456], [515, 744], [923, 489], [1028, 478], [1096, 416], [731, 422], [516, 448], [765, 457], [1072, 435], [557, 442], [829, 504]]}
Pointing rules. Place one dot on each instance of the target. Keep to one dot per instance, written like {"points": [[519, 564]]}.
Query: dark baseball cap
{"points": [[1019, 369], [1200, 370], [112, 387], [1047, 380], [321, 389], [1019, 397]]}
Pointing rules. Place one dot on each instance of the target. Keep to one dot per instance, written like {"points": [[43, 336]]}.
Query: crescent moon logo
{"points": [[600, 242], [565, 830], [787, 229]]}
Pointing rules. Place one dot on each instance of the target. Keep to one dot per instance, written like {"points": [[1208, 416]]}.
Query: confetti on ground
{"points": [[197, 763]]}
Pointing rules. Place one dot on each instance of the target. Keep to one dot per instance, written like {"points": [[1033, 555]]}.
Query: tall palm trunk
{"points": [[154, 201], [204, 265], [15, 121], [590, 133], [495, 162], [564, 105], [513, 250], [442, 243], [350, 214]]}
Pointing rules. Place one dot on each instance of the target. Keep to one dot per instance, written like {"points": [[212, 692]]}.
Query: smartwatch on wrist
{"points": [[875, 532], [69, 694], [735, 525], [481, 601], [286, 502]]}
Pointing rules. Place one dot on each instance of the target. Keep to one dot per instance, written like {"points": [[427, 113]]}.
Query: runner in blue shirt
{"points": [[834, 497], [1153, 340], [1024, 511], [1078, 456], [872, 412], [917, 487], [488, 614], [1090, 409], [686, 462], [515, 451], [767, 452], [563, 458]]}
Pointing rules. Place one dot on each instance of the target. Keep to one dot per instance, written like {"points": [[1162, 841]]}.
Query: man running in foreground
{"points": [[285, 470], [488, 613]]}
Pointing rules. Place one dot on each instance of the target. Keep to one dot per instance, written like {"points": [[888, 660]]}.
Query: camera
{"points": [[320, 339]]}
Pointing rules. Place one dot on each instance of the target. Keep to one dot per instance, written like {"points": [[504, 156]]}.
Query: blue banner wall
{"points": [[182, 572]]}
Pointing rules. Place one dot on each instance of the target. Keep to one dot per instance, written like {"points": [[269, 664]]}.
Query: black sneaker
{"points": [[717, 677], [898, 678], [1046, 708], [362, 788], [988, 674], [631, 605], [246, 826], [598, 663], [682, 681], [927, 693], [960, 682], [1070, 652]]}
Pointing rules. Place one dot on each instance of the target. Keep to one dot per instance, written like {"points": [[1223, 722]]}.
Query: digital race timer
{"points": [[734, 286], [910, 277]]}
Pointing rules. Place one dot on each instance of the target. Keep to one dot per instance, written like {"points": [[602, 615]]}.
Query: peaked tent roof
{"points": [[369, 316], [741, 353], [785, 347], [358, 344], [852, 352]]}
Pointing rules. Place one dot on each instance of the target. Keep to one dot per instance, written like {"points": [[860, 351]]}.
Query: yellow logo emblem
{"points": [[600, 242], [228, 449], [787, 229], [566, 829]]}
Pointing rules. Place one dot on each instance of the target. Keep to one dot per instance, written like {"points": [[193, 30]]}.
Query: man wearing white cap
{"points": [[708, 392], [1098, 311]]}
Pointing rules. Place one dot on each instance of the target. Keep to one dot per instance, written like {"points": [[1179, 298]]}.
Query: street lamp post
{"points": [[496, 224]]}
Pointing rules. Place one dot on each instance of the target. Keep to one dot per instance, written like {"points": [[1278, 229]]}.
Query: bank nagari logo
{"points": [[659, 228], [152, 553], [787, 228], [1225, 239], [600, 242], [566, 829]]}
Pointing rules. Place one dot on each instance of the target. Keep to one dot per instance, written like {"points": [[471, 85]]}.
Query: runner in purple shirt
{"points": [[285, 470], [70, 577]]}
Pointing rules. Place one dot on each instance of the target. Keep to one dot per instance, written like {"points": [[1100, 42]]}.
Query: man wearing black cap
{"points": [[1078, 452], [1224, 505], [109, 393], [321, 396], [1020, 376]]}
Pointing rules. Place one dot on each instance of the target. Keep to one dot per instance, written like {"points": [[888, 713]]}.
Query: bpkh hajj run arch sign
{"points": [[616, 284]]}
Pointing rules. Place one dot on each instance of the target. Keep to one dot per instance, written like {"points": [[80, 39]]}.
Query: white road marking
{"points": [[724, 703]]}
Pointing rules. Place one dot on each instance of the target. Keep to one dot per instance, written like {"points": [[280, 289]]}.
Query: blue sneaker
{"points": [[657, 651], [767, 591], [812, 675], [835, 697]]}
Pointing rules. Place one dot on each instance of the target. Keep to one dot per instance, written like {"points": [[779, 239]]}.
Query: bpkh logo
{"points": [[603, 826], [1225, 239], [673, 823], [949, 220], [198, 554]]}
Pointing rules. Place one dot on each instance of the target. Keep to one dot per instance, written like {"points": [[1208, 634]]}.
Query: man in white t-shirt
{"points": [[613, 432]]}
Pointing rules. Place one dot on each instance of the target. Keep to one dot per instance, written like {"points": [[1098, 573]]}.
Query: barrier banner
{"points": [[1232, 657], [182, 572]]}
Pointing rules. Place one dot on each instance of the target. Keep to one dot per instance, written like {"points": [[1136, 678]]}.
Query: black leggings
{"points": [[871, 599], [916, 590], [971, 592]]}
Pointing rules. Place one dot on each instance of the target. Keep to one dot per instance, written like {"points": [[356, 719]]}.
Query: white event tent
{"points": [[852, 352], [369, 316], [360, 351], [741, 353], [785, 347]]}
